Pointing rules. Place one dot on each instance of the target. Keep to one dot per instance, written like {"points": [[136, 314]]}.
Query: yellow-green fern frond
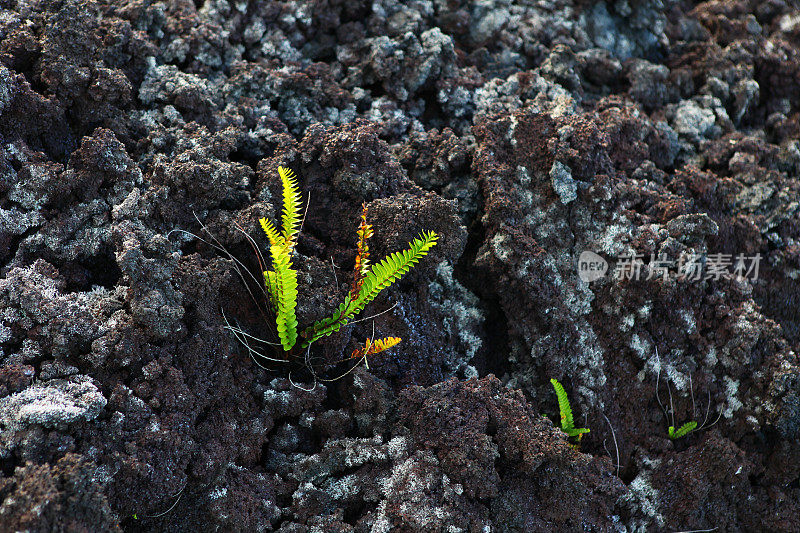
{"points": [[283, 283], [291, 206], [380, 276], [272, 233]]}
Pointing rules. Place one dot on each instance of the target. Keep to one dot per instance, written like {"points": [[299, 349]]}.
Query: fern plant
{"points": [[567, 423], [682, 431], [379, 276], [281, 282], [368, 280]]}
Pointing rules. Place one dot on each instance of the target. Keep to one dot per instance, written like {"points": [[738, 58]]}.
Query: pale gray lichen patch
{"points": [[644, 498], [563, 184], [462, 318], [52, 404], [640, 346], [732, 402], [418, 490]]}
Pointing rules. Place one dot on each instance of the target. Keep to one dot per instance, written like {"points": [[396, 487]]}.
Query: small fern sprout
{"points": [[692, 425], [567, 423], [368, 279], [682, 431]]}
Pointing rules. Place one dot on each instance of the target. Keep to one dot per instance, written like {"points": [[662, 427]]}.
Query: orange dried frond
{"points": [[384, 344], [364, 232], [372, 347], [361, 351]]}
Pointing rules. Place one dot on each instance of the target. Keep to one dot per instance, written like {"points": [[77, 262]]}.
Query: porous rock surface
{"points": [[139, 141]]}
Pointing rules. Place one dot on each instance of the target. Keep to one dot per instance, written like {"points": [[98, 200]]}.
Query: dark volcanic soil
{"points": [[523, 132]]}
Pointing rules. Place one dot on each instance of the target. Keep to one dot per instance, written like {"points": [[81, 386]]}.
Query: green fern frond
{"points": [[563, 406], [684, 430], [329, 325], [380, 276], [391, 268], [283, 283], [291, 206], [567, 423], [576, 432]]}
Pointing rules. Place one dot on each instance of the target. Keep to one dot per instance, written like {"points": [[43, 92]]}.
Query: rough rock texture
{"points": [[139, 142]]}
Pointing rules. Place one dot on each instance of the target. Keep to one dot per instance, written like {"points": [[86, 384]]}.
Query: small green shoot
{"points": [[688, 427], [682, 431], [567, 423]]}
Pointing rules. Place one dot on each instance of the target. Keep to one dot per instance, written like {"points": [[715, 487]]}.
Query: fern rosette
{"points": [[368, 281]]}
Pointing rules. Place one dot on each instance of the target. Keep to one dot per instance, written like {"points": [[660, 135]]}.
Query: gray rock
{"points": [[745, 95], [692, 228], [692, 120]]}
